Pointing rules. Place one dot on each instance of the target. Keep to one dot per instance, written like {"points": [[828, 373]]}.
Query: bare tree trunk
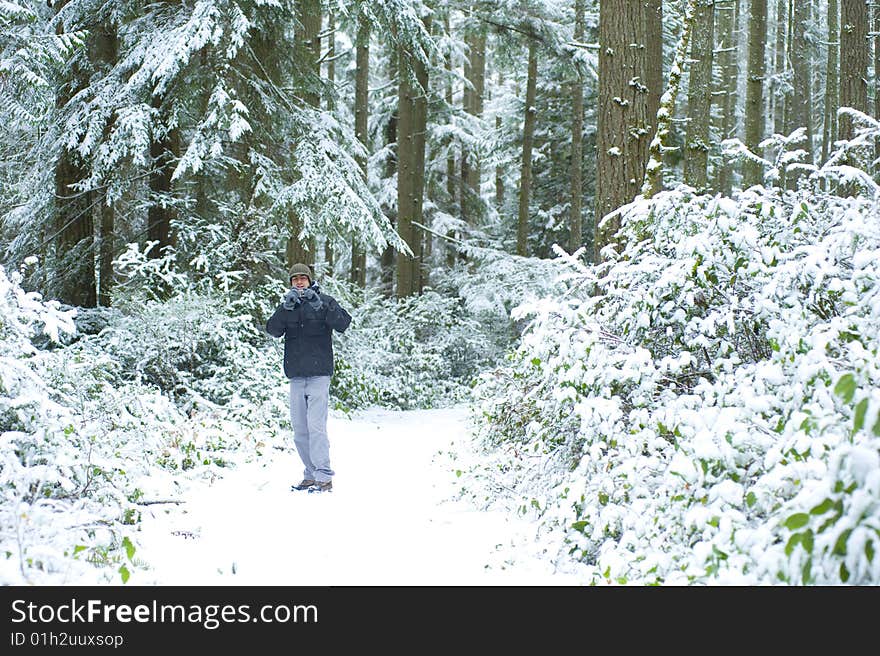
{"points": [[499, 173], [164, 150], [753, 173], [331, 83], [654, 60], [777, 89], [478, 79], [405, 163], [472, 103], [802, 89], [389, 256], [877, 81], [299, 248], [450, 159], [412, 120], [854, 56], [420, 127], [725, 16], [105, 47], [361, 113], [832, 87], [622, 131], [575, 221], [73, 276], [525, 179], [696, 158]]}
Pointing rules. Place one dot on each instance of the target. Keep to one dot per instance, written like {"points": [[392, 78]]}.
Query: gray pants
{"points": [[308, 414]]}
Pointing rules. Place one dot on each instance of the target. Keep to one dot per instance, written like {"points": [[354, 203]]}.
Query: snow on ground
{"points": [[392, 518]]}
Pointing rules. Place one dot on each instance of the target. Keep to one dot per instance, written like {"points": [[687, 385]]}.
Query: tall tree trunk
{"points": [[104, 48], [525, 178], [802, 89], [477, 50], [725, 17], [299, 247], [451, 185], [164, 151], [499, 171], [777, 89], [854, 56], [74, 263], [420, 127], [412, 122], [653, 182], [786, 113], [405, 180], [361, 114], [832, 87], [389, 256], [622, 131], [331, 98], [654, 60], [472, 103], [575, 221], [877, 82], [696, 158], [753, 172]]}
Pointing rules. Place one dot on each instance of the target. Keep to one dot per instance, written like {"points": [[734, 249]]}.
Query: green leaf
{"points": [[78, 548], [806, 578], [859, 416], [751, 499], [124, 573], [129, 547], [823, 507], [840, 545], [846, 387], [579, 526], [797, 520], [793, 541], [807, 542]]}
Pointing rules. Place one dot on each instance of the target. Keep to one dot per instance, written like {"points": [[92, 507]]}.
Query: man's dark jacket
{"points": [[308, 342]]}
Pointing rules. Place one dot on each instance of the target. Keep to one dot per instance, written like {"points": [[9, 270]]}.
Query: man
{"points": [[307, 319]]}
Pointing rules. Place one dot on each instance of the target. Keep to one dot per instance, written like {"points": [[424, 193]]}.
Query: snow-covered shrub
{"points": [[705, 405], [189, 346], [426, 350], [81, 450], [418, 352]]}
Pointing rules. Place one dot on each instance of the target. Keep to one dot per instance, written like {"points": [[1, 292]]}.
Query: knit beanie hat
{"points": [[300, 270]]}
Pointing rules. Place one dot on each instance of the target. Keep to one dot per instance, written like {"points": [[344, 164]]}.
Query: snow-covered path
{"points": [[390, 520]]}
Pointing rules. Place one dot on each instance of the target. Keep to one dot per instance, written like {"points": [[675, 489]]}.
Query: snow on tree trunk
{"points": [[700, 96], [754, 118], [623, 126]]}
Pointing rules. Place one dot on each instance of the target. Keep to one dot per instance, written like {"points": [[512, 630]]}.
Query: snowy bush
{"points": [[704, 406], [81, 451], [418, 352], [426, 351]]}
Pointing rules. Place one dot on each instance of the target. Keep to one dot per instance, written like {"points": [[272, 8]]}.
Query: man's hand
{"points": [[292, 299], [311, 297]]}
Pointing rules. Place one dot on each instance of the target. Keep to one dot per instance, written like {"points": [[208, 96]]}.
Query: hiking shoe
{"points": [[305, 485], [321, 486]]}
